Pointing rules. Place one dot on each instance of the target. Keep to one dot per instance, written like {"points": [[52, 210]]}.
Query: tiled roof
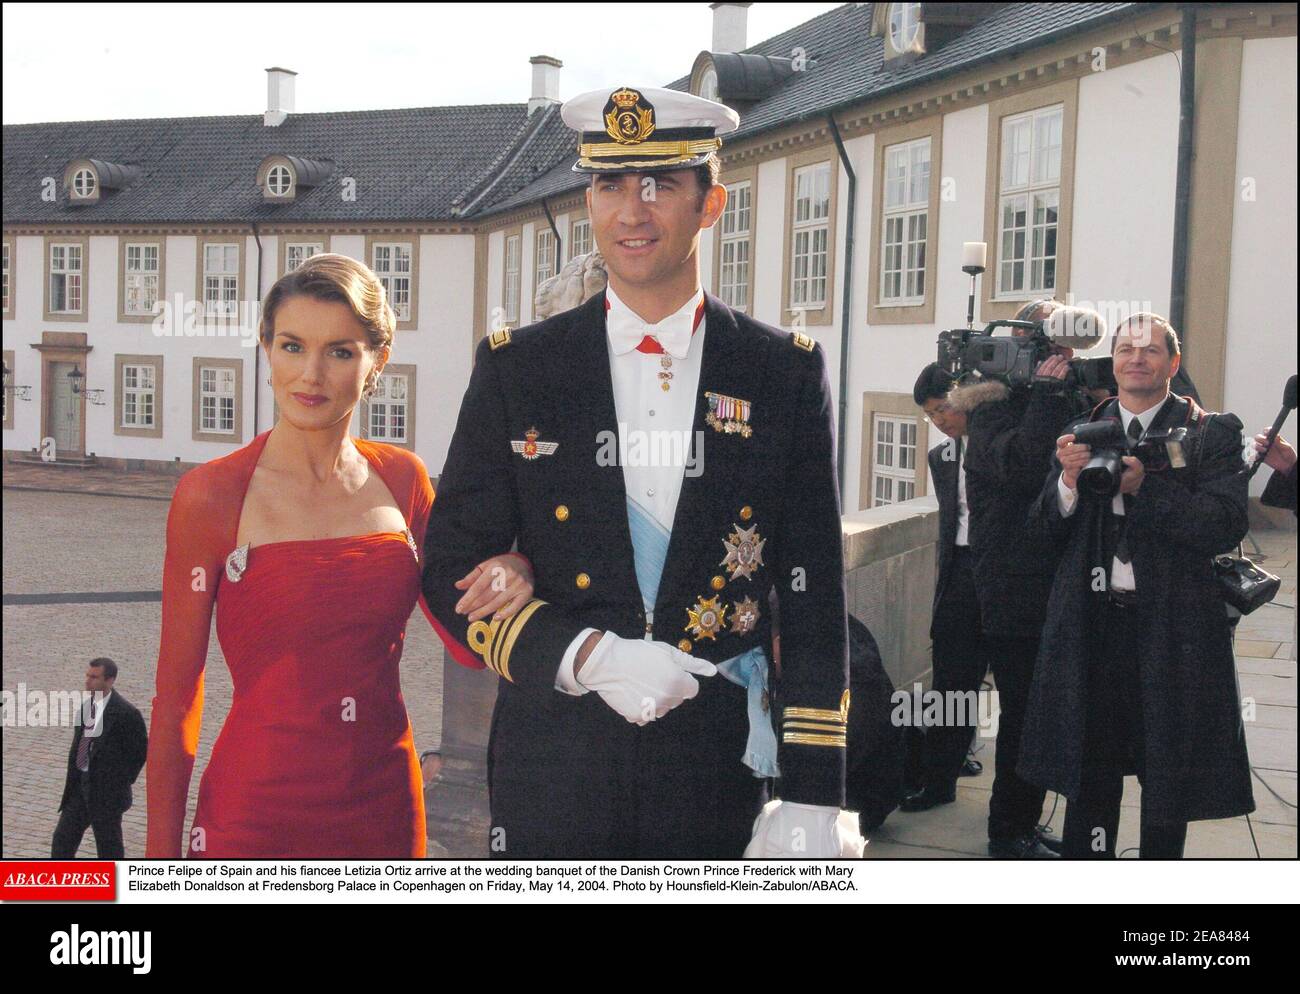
{"points": [[847, 66], [407, 164], [445, 163]]}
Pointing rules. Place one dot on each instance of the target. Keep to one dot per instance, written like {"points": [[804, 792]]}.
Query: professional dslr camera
{"points": [[1158, 451], [1014, 358]]}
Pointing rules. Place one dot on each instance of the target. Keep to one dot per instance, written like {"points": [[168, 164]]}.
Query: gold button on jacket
{"points": [[583, 581]]}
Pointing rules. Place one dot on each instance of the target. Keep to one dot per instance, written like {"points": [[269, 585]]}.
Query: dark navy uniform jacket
{"points": [[566, 510]]}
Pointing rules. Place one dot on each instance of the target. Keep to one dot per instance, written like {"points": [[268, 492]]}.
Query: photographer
{"points": [[1012, 433], [960, 660], [1136, 673]]}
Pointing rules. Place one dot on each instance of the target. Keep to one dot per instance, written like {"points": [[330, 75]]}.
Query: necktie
{"points": [[1122, 551], [83, 747]]}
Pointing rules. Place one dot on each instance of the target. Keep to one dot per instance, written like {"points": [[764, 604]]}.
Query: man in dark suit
{"points": [[1011, 436], [664, 462], [108, 751], [959, 655], [1136, 673]]}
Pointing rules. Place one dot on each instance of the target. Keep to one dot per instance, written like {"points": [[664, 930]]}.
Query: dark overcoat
{"points": [[1194, 743]]}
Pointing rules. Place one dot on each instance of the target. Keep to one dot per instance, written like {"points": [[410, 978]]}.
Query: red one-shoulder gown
{"points": [[315, 757]]}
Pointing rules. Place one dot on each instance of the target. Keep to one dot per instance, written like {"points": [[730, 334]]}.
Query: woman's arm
{"points": [[190, 576]]}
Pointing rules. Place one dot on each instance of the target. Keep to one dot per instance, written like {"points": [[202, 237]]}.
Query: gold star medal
{"points": [[744, 552], [744, 616], [706, 618]]}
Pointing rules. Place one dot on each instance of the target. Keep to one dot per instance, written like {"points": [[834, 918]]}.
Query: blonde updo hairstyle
{"points": [[334, 277]]}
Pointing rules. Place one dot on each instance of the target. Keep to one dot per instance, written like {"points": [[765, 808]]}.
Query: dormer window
{"points": [[87, 181], [279, 181], [904, 25], [85, 184], [283, 177]]}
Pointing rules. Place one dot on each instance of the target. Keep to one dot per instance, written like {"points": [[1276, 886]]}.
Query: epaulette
{"points": [[499, 339], [801, 341]]}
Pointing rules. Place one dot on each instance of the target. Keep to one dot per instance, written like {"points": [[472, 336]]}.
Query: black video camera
{"points": [[1014, 358], [1158, 451]]}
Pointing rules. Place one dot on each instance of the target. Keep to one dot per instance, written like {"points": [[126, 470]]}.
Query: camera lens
{"points": [[1100, 478]]}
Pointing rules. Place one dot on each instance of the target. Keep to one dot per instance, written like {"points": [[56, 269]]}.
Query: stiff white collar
{"points": [[626, 328]]}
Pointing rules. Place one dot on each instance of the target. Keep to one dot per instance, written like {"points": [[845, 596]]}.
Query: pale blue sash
{"points": [[749, 669]]}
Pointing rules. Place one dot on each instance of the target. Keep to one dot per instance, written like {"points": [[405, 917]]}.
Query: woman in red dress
{"points": [[304, 543]]}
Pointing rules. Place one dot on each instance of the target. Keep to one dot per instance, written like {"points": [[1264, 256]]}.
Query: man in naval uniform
{"points": [[664, 463]]}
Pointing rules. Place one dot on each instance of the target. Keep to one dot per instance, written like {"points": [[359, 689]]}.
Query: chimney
{"points": [[729, 26], [546, 82], [279, 96]]}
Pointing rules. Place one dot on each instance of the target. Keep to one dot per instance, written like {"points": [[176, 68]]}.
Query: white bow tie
{"points": [[627, 330]]}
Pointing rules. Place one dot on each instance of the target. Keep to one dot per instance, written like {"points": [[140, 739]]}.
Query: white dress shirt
{"points": [[654, 424], [93, 732], [1121, 574], [963, 509]]}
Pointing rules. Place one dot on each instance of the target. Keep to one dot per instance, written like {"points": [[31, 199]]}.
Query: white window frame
{"points": [[905, 223], [810, 237], [140, 280], [305, 249], [72, 275], [1029, 180], [396, 279], [734, 263], [545, 256], [709, 84], [904, 25], [221, 281], [85, 184], [388, 409], [893, 459], [217, 404], [580, 237], [138, 396], [510, 290], [279, 181]]}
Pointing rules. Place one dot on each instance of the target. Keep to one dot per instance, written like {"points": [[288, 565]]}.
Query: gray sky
{"points": [[78, 62]]}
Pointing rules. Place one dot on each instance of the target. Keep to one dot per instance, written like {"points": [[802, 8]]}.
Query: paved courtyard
{"points": [[72, 539]]}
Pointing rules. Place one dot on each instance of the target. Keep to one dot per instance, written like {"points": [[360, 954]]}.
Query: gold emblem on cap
{"points": [[744, 552], [629, 119], [706, 618]]}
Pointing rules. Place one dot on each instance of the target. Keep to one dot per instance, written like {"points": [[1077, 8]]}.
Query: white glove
{"points": [[642, 680], [810, 831]]}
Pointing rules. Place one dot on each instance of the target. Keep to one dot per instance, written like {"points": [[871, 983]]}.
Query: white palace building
{"points": [[875, 140]]}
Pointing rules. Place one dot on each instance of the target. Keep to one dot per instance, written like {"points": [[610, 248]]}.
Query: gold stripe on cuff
{"points": [[507, 641], [824, 729], [815, 714], [805, 738]]}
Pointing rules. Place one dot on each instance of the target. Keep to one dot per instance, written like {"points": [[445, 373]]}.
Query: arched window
{"points": [[84, 182], [279, 180]]}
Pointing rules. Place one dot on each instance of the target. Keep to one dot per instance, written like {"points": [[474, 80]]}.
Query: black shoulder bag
{"points": [[1244, 585]]}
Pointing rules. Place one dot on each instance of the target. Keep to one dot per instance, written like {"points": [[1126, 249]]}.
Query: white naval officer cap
{"points": [[646, 129]]}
